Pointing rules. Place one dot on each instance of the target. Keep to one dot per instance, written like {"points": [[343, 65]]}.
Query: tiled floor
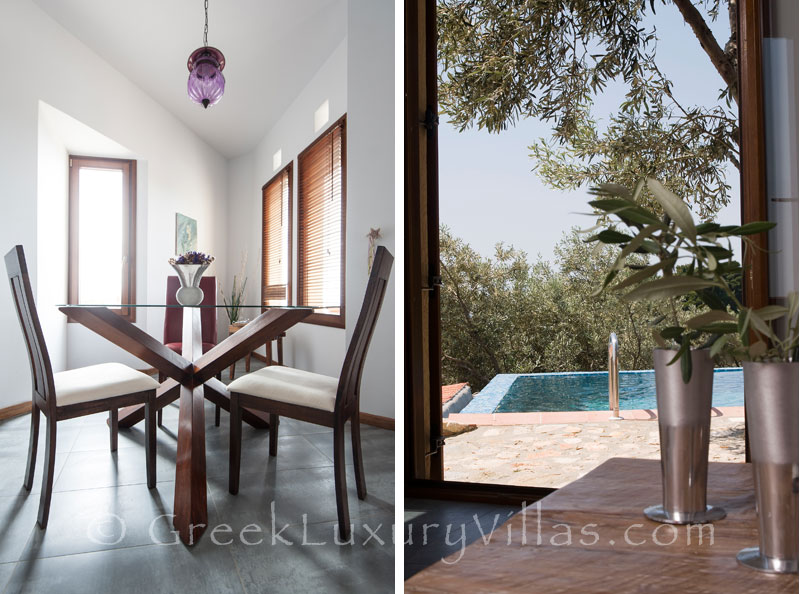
{"points": [[435, 529], [109, 533]]}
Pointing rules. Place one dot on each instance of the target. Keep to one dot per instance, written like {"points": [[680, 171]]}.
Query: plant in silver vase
{"points": [[190, 268], [771, 395], [766, 340], [684, 259]]}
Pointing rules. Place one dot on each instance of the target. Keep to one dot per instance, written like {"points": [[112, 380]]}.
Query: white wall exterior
{"points": [[179, 172]]}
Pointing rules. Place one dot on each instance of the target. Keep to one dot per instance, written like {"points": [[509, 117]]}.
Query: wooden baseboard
{"points": [[15, 410], [377, 421]]}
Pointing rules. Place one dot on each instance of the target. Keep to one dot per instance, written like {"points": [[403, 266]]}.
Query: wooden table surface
{"points": [[605, 504]]}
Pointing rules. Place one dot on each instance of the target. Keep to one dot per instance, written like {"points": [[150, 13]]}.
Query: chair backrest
{"points": [[350, 379], [173, 316], [41, 371]]}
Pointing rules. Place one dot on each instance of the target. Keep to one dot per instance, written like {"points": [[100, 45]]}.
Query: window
{"points": [[102, 232], [321, 183], [276, 241]]}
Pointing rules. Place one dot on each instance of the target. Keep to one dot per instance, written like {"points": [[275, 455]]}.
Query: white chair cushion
{"points": [[293, 386], [99, 381]]}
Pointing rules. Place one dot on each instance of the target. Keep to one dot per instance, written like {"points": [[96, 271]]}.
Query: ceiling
{"points": [[272, 49]]}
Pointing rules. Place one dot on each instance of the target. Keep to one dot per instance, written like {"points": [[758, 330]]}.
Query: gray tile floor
{"points": [[109, 533], [451, 526]]}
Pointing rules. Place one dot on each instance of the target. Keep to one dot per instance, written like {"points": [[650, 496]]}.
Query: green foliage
{"points": [[726, 326], [505, 315], [503, 61], [721, 299], [234, 301]]}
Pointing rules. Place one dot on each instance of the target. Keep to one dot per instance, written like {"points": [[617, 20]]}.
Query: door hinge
{"points": [[431, 120], [434, 282], [437, 443]]}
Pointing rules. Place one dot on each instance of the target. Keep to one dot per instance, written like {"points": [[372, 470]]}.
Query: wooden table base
{"points": [[191, 378], [191, 508]]}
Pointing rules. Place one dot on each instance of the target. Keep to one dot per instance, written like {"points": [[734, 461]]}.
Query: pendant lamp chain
{"points": [[205, 30]]}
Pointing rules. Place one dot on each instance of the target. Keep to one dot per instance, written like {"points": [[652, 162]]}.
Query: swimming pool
{"points": [[544, 392]]}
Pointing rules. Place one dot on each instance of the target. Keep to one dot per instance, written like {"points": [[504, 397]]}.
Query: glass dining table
{"points": [[190, 377]]}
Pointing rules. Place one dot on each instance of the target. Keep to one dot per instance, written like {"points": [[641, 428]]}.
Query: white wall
{"points": [[307, 346], [178, 171], [370, 182], [357, 79], [52, 189]]}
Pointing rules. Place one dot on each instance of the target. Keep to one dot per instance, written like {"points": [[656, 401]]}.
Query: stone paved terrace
{"points": [[554, 454]]}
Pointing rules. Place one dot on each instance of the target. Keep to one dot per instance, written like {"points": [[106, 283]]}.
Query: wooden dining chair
{"points": [[315, 398], [73, 393]]}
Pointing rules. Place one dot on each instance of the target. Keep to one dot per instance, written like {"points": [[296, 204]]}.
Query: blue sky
{"points": [[476, 166]]}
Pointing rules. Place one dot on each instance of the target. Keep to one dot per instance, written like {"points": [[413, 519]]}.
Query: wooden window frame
{"points": [[289, 172], [334, 321], [424, 471], [128, 168]]}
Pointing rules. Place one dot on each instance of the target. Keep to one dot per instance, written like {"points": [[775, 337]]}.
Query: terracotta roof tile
{"points": [[449, 391]]}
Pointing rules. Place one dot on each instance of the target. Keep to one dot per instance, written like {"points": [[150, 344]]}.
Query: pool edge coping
{"points": [[582, 416]]}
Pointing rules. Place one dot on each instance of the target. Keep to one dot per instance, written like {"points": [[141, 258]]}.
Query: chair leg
{"points": [[113, 424], [216, 415], [236, 445], [160, 417], [33, 446], [274, 421], [268, 351], [358, 459], [280, 350], [230, 371], [340, 481], [247, 362], [49, 473], [150, 436]]}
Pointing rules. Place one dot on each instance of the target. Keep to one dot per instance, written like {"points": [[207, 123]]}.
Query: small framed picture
{"points": [[185, 234]]}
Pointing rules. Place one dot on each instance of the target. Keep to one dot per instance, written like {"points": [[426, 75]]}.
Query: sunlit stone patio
{"points": [[553, 455]]}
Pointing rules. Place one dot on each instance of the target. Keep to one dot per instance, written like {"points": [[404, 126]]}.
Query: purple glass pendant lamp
{"points": [[206, 83]]}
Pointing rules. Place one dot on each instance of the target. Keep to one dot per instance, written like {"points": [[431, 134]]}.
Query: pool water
{"points": [[544, 392]]}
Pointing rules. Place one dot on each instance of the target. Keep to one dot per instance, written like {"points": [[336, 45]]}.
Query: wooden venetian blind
{"points": [[320, 228], [276, 239]]}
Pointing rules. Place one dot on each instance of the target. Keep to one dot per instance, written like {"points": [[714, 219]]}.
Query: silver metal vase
{"points": [[684, 424], [189, 276], [770, 396]]}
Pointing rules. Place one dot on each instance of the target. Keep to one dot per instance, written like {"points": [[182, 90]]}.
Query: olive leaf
{"points": [[671, 286], [644, 273], [771, 312], [709, 317], [718, 345], [752, 228], [674, 207]]}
